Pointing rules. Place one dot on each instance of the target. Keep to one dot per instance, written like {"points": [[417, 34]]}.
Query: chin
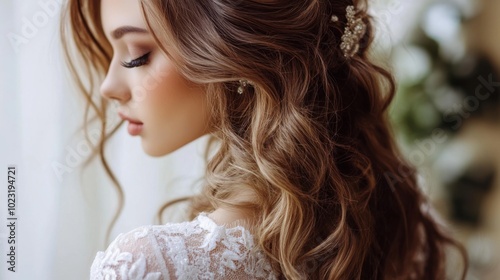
{"points": [[163, 148], [155, 150]]}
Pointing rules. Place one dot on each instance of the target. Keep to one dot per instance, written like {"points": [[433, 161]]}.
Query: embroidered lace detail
{"points": [[199, 249]]}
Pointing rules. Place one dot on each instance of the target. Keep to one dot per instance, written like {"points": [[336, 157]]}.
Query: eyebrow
{"points": [[120, 31]]}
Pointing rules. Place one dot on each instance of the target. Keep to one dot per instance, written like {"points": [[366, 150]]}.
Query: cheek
{"points": [[174, 113], [174, 102]]}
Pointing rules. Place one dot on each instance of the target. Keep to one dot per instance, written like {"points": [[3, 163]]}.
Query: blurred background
{"points": [[445, 55], [447, 114]]}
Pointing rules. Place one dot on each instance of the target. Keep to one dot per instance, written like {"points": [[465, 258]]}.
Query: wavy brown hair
{"points": [[310, 140]]}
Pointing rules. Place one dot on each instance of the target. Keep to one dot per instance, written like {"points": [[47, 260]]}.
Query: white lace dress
{"points": [[199, 249]]}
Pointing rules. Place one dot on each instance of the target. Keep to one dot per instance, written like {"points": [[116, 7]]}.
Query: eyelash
{"points": [[143, 60]]}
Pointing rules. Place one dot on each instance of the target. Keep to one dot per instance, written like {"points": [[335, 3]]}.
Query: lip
{"points": [[129, 119], [134, 126]]}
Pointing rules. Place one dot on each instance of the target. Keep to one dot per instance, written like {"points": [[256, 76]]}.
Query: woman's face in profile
{"points": [[163, 108]]}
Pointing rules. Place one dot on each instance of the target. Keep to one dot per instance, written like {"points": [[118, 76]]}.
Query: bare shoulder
{"points": [[231, 218]]}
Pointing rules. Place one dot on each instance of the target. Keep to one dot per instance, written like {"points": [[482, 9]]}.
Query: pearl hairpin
{"points": [[355, 30]]}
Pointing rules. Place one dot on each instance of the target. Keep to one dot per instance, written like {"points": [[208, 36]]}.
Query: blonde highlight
{"points": [[310, 140]]}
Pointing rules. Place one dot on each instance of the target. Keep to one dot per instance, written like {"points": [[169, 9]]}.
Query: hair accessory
{"points": [[353, 32], [243, 86]]}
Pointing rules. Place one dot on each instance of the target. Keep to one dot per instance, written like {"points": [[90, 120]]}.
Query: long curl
{"points": [[310, 140]]}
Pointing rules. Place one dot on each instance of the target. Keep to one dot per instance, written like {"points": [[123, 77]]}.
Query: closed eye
{"points": [[137, 62]]}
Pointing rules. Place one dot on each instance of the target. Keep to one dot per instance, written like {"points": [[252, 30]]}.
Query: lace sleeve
{"points": [[199, 249], [130, 256]]}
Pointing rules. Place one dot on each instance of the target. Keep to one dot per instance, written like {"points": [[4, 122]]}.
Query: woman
{"points": [[306, 182]]}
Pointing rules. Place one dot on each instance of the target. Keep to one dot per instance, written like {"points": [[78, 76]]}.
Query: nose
{"points": [[114, 86]]}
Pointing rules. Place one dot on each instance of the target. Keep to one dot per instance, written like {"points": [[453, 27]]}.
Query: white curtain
{"points": [[62, 213]]}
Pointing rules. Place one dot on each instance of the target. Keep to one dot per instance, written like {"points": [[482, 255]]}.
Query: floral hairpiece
{"points": [[354, 30]]}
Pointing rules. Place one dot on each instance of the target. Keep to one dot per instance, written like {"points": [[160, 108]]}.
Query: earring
{"points": [[243, 85]]}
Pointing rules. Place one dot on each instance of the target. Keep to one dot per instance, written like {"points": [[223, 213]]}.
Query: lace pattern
{"points": [[199, 249]]}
